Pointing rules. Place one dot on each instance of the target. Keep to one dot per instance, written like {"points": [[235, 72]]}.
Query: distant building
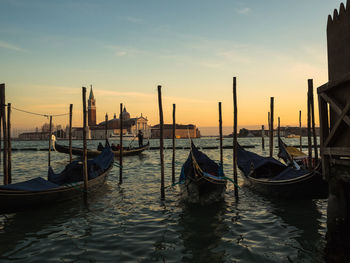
{"points": [[181, 131], [33, 136], [44, 135], [91, 109], [131, 126], [284, 132]]}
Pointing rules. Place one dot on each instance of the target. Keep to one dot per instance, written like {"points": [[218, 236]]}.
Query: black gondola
{"points": [[269, 176], [59, 187], [127, 151], [202, 180]]}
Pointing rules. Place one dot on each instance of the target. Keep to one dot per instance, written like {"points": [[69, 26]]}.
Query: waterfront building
{"points": [[131, 126], [181, 131]]}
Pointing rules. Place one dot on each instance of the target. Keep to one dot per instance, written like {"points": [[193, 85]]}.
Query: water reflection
{"points": [[306, 218], [20, 230], [201, 230], [23, 232], [125, 223]]}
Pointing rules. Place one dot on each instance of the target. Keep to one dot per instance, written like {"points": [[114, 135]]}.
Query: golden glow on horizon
{"points": [[253, 105]]}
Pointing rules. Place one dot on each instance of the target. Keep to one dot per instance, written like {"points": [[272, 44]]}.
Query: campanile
{"points": [[91, 109]]}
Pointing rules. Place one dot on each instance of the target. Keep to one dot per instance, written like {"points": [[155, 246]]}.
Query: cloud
{"points": [[11, 47], [235, 56], [109, 93], [134, 20], [52, 106], [187, 100], [131, 94], [244, 11], [62, 90], [121, 51]]}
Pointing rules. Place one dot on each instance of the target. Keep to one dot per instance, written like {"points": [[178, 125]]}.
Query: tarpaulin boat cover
{"points": [[73, 172], [33, 185], [204, 162], [265, 167]]}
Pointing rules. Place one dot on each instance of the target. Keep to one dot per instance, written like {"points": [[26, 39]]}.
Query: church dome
{"points": [[125, 115]]}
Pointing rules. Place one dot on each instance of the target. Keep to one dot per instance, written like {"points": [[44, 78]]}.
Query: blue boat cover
{"points": [[265, 167], [204, 162], [73, 172], [289, 173], [33, 185]]}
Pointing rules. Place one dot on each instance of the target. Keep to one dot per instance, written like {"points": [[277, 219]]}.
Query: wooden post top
{"points": [[338, 42]]}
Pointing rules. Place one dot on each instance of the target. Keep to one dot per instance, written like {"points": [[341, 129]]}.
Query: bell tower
{"points": [[91, 109]]}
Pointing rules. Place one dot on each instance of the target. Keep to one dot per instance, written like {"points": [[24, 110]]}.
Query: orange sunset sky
{"points": [[50, 49]]}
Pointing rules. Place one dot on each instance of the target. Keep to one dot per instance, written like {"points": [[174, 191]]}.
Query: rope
{"points": [[117, 165], [227, 178], [172, 185], [39, 114]]}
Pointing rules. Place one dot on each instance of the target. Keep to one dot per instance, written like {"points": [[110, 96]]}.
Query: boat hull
{"points": [[12, 200], [309, 186], [202, 192]]}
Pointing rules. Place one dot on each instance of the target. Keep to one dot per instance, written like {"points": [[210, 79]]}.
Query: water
{"points": [[129, 222]]}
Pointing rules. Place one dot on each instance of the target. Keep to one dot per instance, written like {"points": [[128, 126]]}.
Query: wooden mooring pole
{"points": [[300, 132], [312, 107], [106, 127], [85, 171], [121, 145], [271, 125], [263, 137], [309, 143], [279, 131], [235, 177], [50, 142], [9, 152], [4, 132], [70, 132], [220, 133], [2, 88], [173, 159], [161, 143]]}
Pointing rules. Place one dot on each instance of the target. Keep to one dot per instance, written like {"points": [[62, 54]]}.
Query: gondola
{"points": [[202, 180], [60, 187], [127, 151], [270, 177]]}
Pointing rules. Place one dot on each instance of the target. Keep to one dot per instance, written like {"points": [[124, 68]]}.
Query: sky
{"points": [[193, 49]]}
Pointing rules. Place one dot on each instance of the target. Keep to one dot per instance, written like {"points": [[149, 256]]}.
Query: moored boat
{"points": [[127, 151], [60, 187], [202, 180], [273, 178]]}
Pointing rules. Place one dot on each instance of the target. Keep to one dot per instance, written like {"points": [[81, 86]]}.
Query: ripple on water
{"points": [[129, 223]]}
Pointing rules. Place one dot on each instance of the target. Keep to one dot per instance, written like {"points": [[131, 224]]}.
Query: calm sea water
{"points": [[129, 222]]}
